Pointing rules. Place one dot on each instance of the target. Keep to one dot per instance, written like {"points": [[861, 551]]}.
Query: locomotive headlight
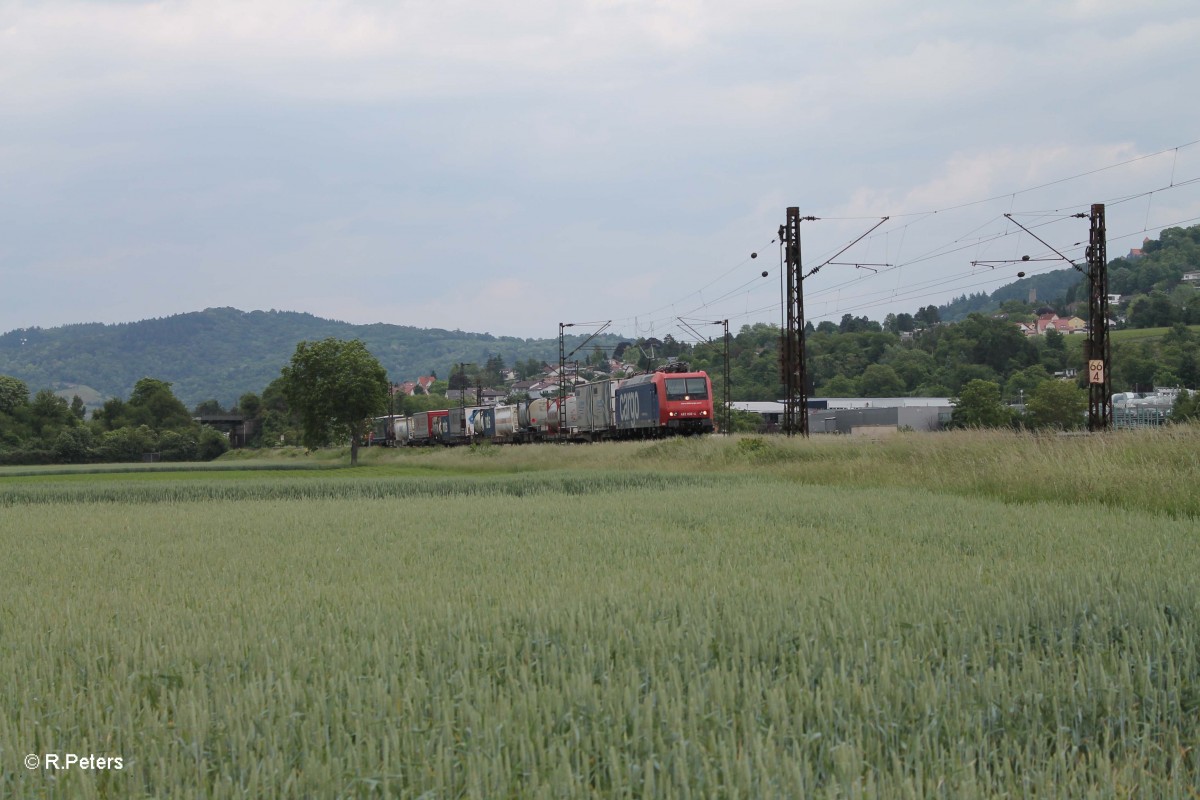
{"points": [[704, 413], [672, 413]]}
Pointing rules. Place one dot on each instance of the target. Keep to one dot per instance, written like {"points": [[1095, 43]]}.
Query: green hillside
{"points": [[1050, 287], [1149, 282], [1149, 334], [222, 353]]}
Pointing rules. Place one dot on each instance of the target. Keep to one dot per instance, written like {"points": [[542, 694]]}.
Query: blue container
{"points": [[637, 406]]}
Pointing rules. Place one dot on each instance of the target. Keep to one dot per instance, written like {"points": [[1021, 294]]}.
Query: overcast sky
{"points": [[503, 167]]}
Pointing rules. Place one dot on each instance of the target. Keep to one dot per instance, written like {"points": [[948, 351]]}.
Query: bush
{"points": [[177, 446], [26, 456], [126, 444], [1057, 405], [211, 445], [73, 446]]}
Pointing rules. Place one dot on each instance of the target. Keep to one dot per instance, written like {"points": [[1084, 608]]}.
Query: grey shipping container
{"points": [[594, 407]]}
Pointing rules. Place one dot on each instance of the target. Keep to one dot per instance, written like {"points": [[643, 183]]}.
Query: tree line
{"points": [[327, 393], [332, 388], [46, 429]]}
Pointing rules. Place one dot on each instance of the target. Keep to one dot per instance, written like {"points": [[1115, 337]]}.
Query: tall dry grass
{"points": [[1154, 470]]}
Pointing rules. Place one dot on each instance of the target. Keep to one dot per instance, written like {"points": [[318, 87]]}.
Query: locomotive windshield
{"points": [[687, 389]]}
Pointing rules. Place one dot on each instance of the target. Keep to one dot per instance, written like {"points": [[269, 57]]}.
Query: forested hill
{"points": [[1048, 288], [221, 353]]}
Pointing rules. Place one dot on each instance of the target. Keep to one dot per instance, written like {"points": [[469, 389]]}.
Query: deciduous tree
{"points": [[13, 393], [979, 406], [335, 387], [1186, 406], [879, 380], [1058, 405], [1023, 383], [208, 408], [152, 403]]}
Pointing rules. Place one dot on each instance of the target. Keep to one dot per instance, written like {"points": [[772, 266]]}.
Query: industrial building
{"points": [[860, 415]]}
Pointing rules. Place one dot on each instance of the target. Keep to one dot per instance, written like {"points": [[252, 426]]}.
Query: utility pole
{"points": [[1097, 350], [478, 402], [562, 376], [1099, 354], [563, 355], [792, 356], [389, 436], [725, 420], [462, 399]]}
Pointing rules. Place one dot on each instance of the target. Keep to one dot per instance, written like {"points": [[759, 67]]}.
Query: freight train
{"points": [[671, 401]]}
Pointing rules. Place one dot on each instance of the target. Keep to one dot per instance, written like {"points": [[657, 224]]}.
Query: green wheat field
{"points": [[934, 615]]}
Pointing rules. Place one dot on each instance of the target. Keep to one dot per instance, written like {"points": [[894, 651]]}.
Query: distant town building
{"points": [[1138, 252], [1052, 322], [410, 388], [484, 397]]}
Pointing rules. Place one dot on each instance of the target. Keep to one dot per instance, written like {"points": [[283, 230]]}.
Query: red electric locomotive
{"points": [[670, 401]]}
